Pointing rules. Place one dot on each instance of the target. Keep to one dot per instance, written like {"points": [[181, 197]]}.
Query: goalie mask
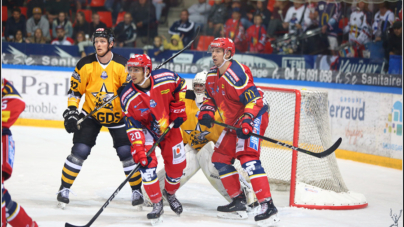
{"points": [[198, 85]]}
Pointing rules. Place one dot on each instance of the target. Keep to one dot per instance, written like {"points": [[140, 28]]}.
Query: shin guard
{"points": [[172, 184], [229, 177], [151, 184], [258, 178]]}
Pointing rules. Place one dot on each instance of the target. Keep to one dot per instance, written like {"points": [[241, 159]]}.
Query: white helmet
{"points": [[200, 78]]}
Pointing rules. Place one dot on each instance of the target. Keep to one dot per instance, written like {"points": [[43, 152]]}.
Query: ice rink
{"points": [[41, 152]]}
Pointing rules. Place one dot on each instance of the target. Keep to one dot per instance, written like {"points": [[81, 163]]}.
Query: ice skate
{"points": [[175, 205], [268, 215], [63, 197], [253, 208], [137, 199], [237, 209], [156, 216]]}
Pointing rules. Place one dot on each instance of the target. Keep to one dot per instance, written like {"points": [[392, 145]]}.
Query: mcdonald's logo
{"points": [[250, 95]]}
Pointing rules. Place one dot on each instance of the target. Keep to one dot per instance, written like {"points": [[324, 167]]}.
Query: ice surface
{"points": [[41, 152]]}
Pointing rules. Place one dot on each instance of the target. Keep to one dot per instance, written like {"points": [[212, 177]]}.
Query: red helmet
{"points": [[224, 43], [139, 60]]}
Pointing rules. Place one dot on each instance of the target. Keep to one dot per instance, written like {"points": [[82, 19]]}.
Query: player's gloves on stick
{"points": [[120, 89], [139, 154], [246, 127], [71, 116], [177, 113], [206, 116]]}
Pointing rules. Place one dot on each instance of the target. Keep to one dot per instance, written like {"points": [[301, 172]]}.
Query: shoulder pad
{"points": [[86, 60], [235, 74], [127, 93], [190, 94], [161, 75], [119, 59]]}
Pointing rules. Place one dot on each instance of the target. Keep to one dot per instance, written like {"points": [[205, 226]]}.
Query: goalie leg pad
{"points": [[258, 178], [229, 177], [71, 169], [135, 181]]}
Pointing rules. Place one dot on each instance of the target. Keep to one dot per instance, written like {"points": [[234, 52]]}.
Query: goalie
{"points": [[199, 141]]}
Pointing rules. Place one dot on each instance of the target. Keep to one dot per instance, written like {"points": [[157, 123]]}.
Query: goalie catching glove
{"points": [[246, 127], [206, 116], [71, 116], [177, 113]]}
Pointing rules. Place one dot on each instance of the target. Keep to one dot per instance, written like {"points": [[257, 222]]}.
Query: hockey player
{"points": [[199, 143], [231, 91], [150, 103], [12, 106], [98, 76]]}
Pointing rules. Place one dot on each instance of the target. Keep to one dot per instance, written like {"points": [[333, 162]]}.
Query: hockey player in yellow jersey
{"points": [[97, 76], [199, 143]]}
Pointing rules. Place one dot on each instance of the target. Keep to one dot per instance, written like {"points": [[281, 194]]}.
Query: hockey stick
{"points": [[318, 155], [158, 67], [124, 182]]}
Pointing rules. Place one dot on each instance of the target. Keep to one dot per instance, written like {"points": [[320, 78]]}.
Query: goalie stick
{"points": [[124, 182], [158, 67], [315, 154]]}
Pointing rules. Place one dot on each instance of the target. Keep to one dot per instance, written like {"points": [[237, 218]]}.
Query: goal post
{"points": [[300, 118]]}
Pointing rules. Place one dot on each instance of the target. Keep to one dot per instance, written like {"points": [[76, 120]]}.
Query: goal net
{"points": [[300, 118]]}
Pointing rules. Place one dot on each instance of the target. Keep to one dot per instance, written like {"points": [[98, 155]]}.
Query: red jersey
{"points": [[151, 110], [234, 93], [234, 30], [256, 38], [12, 106]]}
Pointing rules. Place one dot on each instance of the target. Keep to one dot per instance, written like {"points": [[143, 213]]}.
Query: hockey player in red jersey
{"points": [[12, 106], [150, 103], [230, 90]]}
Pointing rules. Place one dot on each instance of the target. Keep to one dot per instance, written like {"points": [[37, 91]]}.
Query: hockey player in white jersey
{"points": [[199, 147]]}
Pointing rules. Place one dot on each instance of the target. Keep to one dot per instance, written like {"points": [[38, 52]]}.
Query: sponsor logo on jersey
{"points": [[163, 74], [126, 93], [178, 153], [217, 89], [254, 141], [11, 151], [153, 103], [165, 91], [142, 110], [233, 75], [76, 76], [248, 95], [223, 93], [222, 86], [138, 104], [104, 75], [213, 90]]}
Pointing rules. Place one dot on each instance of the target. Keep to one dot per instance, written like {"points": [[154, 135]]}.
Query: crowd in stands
{"points": [[296, 27]]}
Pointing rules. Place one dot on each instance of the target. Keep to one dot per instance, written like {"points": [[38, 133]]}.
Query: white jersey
{"points": [[377, 24], [358, 28], [293, 17]]}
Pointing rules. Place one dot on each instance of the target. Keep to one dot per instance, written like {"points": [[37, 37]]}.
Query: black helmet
{"points": [[104, 32]]}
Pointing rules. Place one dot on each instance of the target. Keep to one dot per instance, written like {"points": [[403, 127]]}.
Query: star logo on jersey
{"points": [[198, 137], [103, 96]]}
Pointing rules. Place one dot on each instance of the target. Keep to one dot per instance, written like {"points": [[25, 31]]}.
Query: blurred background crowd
{"points": [[345, 28]]}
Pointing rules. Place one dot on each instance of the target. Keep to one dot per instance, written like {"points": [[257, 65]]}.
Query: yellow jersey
{"points": [[193, 133], [99, 84]]}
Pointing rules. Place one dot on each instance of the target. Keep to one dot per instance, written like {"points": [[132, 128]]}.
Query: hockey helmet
{"points": [[139, 60], [225, 43], [200, 78]]}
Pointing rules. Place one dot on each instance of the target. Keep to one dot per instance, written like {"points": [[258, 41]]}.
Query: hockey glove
{"points": [[177, 113], [139, 154], [206, 116], [120, 89], [246, 127], [71, 116]]}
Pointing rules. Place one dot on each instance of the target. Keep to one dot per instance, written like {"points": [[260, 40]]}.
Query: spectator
{"points": [[81, 41], [157, 46], [256, 36], [18, 38], [236, 5], [144, 15], [329, 14], [394, 41], [14, 23], [198, 13], [358, 29], [65, 23], [264, 12], [175, 43], [183, 27], [384, 18], [38, 21], [33, 4], [229, 9], [234, 30], [159, 5], [217, 18], [81, 24], [55, 7], [96, 23], [275, 26], [61, 38], [297, 18], [38, 37], [125, 32]]}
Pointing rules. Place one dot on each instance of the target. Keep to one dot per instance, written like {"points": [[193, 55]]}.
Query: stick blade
{"points": [[329, 150], [70, 225]]}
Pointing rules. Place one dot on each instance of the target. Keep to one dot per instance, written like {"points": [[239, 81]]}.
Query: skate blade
{"points": [[233, 215], [253, 211], [138, 207], [61, 205], [269, 221], [156, 221]]}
